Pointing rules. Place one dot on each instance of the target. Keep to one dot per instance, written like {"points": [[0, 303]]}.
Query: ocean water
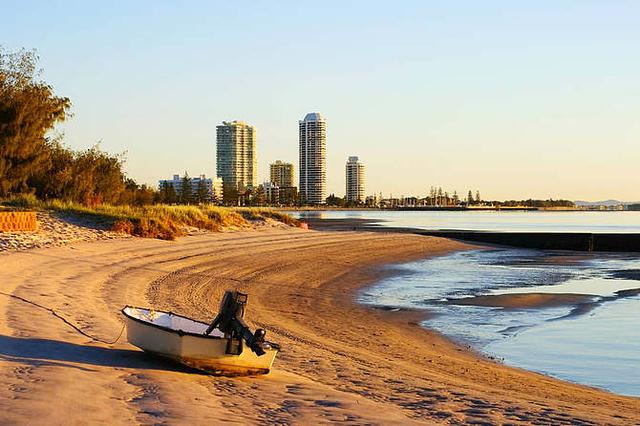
{"points": [[523, 221], [596, 343]]}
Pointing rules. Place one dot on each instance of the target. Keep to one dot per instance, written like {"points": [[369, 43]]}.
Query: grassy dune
{"points": [[156, 221]]}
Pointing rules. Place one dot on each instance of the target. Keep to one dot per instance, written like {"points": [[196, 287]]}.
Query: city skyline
{"points": [[520, 100]]}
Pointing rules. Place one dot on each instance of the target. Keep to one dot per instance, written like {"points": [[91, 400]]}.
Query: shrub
{"points": [[24, 201]]}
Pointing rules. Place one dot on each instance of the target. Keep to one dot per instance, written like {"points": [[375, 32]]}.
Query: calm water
{"points": [[597, 345], [627, 222]]}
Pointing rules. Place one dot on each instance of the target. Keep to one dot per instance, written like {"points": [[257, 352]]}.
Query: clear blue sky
{"points": [[537, 98]]}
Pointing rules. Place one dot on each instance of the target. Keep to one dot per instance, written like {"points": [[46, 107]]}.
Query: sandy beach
{"points": [[340, 361]]}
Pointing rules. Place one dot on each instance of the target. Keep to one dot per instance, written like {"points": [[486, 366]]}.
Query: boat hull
{"points": [[203, 352]]}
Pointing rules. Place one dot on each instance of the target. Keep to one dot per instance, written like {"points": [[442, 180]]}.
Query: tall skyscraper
{"points": [[236, 161], [313, 163], [282, 174], [355, 180]]}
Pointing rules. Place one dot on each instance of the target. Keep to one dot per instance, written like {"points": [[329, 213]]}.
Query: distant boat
{"points": [[224, 347]]}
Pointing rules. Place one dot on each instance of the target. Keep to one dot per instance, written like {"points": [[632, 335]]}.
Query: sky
{"points": [[514, 99]]}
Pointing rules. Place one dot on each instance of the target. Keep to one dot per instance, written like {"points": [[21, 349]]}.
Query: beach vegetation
{"points": [[29, 110], [154, 221]]}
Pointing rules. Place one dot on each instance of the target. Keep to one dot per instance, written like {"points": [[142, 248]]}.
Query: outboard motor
{"points": [[230, 321]]}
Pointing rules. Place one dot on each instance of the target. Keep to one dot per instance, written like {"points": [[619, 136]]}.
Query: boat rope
{"points": [[65, 320]]}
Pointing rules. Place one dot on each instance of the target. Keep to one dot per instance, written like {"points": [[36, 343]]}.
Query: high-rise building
{"points": [[355, 180], [282, 174], [313, 163], [236, 161], [218, 189]]}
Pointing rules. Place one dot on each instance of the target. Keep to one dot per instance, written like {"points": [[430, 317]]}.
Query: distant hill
{"points": [[607, 203]]}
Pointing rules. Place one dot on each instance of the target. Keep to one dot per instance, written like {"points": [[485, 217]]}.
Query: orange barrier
{"points": [[18, 221]]}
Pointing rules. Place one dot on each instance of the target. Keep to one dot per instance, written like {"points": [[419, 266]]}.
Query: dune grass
{"points": [[156, 221]]}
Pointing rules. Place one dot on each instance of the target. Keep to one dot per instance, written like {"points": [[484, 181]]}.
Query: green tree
{"points": [[144, 196], [258, 197], [186, 190], [29, 110], [56, 179], [90, 177], [333, 200], [170, 196], [202, 193], [139, 195]]}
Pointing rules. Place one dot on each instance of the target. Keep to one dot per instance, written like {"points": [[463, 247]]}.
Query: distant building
{"points": [[282, 174], [218, 189], [373, 200], [355, 181], [313, 164], [212, 188], [271, 192], [236, 161]]}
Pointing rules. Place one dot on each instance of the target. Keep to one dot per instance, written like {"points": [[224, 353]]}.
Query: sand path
{"points": [[339, 361]]}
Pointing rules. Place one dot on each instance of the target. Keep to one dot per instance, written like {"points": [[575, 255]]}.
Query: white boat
{"points": [[195, 345]]}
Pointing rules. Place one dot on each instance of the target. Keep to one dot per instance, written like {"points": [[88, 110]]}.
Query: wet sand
{"points": [[340, 361], [524, 300]]}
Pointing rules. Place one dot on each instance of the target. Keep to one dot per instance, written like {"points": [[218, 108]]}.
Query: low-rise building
{"points": [[201, 188], [271, 192]]}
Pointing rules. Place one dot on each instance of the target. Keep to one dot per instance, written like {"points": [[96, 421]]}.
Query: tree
{"points": [[55, 180], [333, 200], [28, 112], [258, 197], [169, 193], [469, 198], [202, 192], [478, 199], [186, 191], [144, 196], [231, 195], [139, 195], [90, 177]]}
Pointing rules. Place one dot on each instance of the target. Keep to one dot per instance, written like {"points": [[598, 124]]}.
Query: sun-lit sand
{"points": [[340, 361]]}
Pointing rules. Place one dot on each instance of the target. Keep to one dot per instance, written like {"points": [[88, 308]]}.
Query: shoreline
{"points": [[446, 209], [340, 361]]}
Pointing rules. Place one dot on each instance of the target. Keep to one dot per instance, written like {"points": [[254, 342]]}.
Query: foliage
{"points": [[536, 203], [333, 200], [24, 202], [29, 109], [202, 193], [167, 193], [186, 190], [89, 177], [156, 221], [137, 195]]}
